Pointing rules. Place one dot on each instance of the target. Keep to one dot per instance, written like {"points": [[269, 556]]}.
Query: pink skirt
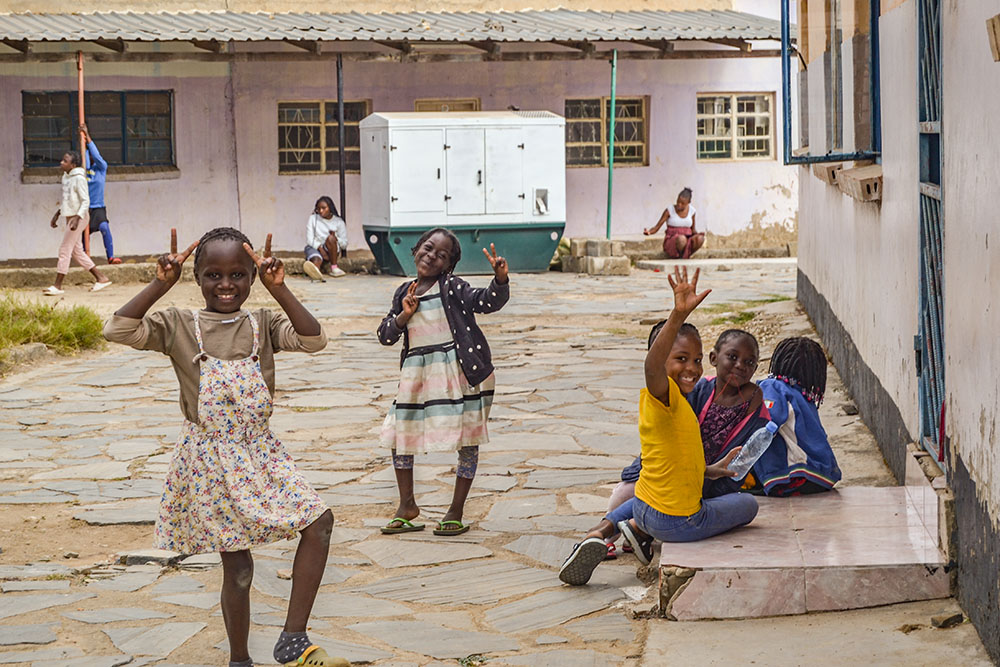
{"points": [[670, 245]]}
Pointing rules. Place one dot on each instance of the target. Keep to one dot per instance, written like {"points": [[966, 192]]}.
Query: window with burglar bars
{"points": [[133, 128], [736, 126], [587, 131], [307, 137]]}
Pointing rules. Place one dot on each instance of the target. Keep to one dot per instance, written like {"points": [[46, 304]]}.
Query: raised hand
{"points": [[168, 267], [410, 304], [498, 263], [686, 297], [271, 269]]}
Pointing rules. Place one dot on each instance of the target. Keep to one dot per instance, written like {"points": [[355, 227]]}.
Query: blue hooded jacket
{"points": [[800, 448], [97, 174]]}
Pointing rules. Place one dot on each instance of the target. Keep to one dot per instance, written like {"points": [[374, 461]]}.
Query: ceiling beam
{"points": [[377, 56], [116, 45], [215, 46], [585, 48], [741, 44], [491, 48], [661, 45], [22, 45], [310, 45]]}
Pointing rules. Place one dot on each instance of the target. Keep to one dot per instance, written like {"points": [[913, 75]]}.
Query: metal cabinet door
{"points": [[417, 183], [504, 170], [465, 158]]}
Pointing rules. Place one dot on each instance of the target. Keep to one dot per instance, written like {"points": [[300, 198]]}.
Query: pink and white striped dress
{"points": [[436, 410]]}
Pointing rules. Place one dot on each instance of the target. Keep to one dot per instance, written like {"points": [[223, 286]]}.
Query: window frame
{"points": [[605, 101], [323, 125], [73, 140], [734, 116]]}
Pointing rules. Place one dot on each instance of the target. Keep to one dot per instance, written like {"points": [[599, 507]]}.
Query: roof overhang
{"points": [[557, 34]]}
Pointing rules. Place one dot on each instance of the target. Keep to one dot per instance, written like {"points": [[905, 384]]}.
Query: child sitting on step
{"points": [[668, 502], [799, 459]]}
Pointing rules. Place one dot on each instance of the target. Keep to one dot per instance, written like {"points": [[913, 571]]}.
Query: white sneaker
{"points": [[52, 290], [99, 286], [312, 271], [336, 271]]}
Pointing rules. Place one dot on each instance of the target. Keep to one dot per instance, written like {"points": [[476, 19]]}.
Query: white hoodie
{"points": [[318, 228], [75, 193]]}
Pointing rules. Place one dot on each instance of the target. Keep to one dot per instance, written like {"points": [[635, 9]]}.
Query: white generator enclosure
{"points": [[489, 176]]}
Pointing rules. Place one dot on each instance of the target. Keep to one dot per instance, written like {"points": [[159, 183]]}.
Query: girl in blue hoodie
{"points": [[799, 459]]}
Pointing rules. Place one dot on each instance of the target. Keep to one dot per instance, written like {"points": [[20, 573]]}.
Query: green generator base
{"points": [[527, 247]]}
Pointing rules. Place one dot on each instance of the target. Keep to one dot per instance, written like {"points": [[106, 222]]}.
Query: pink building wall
{"points": [[728, 195]]}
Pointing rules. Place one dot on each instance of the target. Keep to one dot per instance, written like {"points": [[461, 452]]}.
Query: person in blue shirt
{"points": [[97, 173]]}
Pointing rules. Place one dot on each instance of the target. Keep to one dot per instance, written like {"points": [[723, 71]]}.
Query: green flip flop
{"points": [[441, 530], [406, 526]]}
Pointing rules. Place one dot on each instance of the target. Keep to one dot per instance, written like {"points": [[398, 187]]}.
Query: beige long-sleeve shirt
{"points": [[171, 332], [75, 193]]}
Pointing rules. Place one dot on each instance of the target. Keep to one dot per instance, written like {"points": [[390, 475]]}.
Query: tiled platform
{"points": [[852, 548]]}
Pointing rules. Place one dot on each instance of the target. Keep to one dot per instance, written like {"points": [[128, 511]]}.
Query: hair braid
{"points": [[803, 362], [219, 234]]}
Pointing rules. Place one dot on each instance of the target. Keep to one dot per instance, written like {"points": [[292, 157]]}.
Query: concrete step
{"points": [[850, 548], [358, 261], [651, 247]]}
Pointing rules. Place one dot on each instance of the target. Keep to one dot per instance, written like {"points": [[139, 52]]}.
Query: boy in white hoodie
{"points": [[74, 207]]}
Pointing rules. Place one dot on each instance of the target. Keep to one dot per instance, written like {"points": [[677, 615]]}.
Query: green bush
{"points": [[65, 330]]}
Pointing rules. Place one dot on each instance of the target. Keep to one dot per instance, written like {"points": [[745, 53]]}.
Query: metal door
{"points": [[465, 156], [929, 342], [504, 170], [416, 156]]}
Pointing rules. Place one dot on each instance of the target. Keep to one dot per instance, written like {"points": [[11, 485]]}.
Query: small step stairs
{"points": [[847, 549]]}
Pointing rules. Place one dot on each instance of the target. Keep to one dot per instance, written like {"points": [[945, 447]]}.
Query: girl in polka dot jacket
{"points": [[446, 380]]}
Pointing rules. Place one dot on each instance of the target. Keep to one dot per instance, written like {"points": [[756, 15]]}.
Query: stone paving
{"points": [[85, 443]]}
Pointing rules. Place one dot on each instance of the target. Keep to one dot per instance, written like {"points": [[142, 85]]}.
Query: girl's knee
{"points": [[237, 566], [321, 528], [468, 462], [748, 506]]}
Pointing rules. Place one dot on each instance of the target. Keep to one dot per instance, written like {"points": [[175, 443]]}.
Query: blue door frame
{"points": [[929, 342]]}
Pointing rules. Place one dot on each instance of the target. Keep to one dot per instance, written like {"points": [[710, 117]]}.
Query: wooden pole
{"points": [[83, 143]]}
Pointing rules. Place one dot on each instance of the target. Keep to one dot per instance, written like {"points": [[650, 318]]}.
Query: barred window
{"points": [[587, 131], [736, 126], [307, 137], [133, 128]]}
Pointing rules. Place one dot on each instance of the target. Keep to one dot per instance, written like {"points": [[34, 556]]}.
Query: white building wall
{"points": [[862, 257]]}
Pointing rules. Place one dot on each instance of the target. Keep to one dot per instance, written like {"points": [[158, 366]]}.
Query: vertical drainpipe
{"points": [[611, 136], [875, 76], [232, 120], [341, 135]]}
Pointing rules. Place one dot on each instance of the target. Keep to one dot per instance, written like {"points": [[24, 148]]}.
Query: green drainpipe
{"points": [[611, 136]]}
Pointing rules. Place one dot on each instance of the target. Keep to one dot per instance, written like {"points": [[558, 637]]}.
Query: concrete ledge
{"points": [[359, 261]]}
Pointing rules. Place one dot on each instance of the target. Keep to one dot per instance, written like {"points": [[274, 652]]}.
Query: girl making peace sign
{"points": [[446, 382], [231, 485]]}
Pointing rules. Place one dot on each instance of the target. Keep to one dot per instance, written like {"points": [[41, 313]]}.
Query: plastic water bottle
{"points": [[756, 445]]}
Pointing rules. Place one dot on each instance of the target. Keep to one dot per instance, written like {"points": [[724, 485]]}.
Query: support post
{"points": [[83, 145], [341, 134], [611, 136]]}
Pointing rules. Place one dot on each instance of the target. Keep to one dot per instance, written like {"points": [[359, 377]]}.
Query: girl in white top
{"points": [[326, 240], [681, 240]]}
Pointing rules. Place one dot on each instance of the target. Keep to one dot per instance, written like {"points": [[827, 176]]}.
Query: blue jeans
{"points": [[717, 515], [109, 246]]}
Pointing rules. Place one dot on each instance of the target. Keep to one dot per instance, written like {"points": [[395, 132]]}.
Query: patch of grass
{"points": [[617, 331], [473, 660], [65, 330], [734, 319]]}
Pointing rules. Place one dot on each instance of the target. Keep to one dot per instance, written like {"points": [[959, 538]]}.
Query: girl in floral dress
{"points": [[231, 485]]}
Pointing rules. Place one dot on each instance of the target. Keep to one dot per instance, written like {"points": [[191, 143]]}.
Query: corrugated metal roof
{"points": [[519, 26]]}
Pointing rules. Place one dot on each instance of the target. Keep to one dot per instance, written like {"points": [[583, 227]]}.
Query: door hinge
{"points": [[918, 346], [521, 196], [446, 146], [392, 148], [521, 146], [393, 198], [446, 197]]}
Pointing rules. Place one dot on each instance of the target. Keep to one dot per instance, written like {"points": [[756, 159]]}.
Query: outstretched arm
{"points": [[659, 223], [168, 272], [272, 276], [686, 299]]}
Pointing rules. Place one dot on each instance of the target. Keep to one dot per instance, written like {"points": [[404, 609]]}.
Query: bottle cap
{"points": [[772, 427]]}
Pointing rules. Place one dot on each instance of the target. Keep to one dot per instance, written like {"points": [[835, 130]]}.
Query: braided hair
{"points": [[801, 363], [456, 247], [735, 333], [220, 234], [687, 329]]}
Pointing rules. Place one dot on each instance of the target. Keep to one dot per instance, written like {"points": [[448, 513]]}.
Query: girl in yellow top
{"points": [[668, 505]]}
